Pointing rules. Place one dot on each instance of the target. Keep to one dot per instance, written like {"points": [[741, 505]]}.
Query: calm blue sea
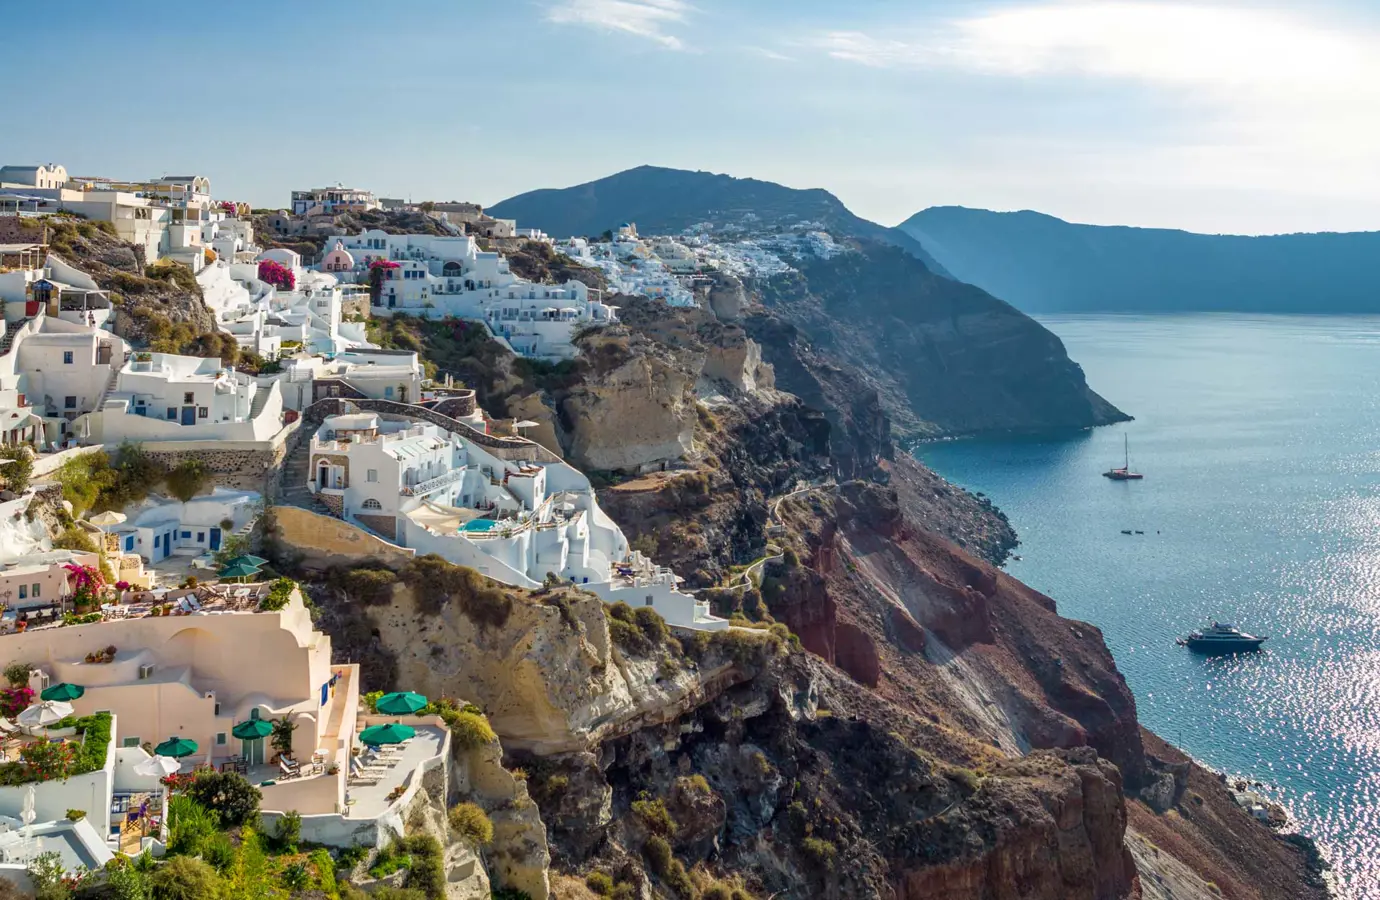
{"points": [[1260, 441]]}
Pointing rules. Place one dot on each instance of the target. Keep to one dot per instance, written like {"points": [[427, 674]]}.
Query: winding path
{"points": [[774, 553]]}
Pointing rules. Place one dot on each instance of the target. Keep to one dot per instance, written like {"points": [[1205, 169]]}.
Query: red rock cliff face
{"points": [[1049, 832], [928, 624]]}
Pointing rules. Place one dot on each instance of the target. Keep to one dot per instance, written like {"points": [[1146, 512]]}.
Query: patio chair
{"points": [[192, 603], [288, 770], [360, 775], [380, 759]]}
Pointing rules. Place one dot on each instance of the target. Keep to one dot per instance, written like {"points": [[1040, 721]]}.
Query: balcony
{"points": [[434, 484]]}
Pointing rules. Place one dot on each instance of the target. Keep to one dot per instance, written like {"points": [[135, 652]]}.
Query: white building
{"points": [[364, 373], [161, 527], [164, 397], [332, 200], [449, 276], [516, 521]]}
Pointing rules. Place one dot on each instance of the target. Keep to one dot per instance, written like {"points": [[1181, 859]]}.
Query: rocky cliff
{"points": [[938, 730], [945, 358]]}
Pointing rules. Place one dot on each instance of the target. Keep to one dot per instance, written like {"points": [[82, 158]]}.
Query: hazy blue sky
{"points": [[1222, 116]]}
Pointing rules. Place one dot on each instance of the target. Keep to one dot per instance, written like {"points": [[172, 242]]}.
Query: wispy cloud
{"points": [[768, 53], [648, 19], [1272, 94]]}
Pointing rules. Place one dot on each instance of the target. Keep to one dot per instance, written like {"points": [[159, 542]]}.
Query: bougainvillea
{"points": [[14, 700], [87, 584], [277, 274], [229, 207], [378, 273]]}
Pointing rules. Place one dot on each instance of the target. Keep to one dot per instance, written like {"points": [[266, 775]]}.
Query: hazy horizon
{"points": [[1222, 117]]}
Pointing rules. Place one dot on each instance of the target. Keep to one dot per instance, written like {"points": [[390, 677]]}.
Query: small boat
{"points": [[1125, 531], [1124, 473], [1221, 639]]}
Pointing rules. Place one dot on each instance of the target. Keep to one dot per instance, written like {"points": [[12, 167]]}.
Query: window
{"points": [[649, 600], [69, 402], [36, 587], [186, 534], [67, 357], [220, 739], [371, 476], [201, 537], [387, 392], [23, 592], [129, 742], [189, 398], [372, 504], [172, 413], [202, 412]]}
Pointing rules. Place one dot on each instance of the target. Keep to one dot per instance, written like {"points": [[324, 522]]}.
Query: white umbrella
{"points": [[107, 519], [28, 813], [44, 714]]}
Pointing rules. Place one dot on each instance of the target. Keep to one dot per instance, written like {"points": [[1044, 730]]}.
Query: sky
{"points": [[1218, 116]]}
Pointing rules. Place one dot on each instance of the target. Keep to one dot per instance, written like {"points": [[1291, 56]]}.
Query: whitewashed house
{"points": [[163, 526], [517, 521], [362, 373], [164, 397], [449, 276]]}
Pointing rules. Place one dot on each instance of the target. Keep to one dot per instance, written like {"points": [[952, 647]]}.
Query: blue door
{"points": [[189, 415], [215, 538]]}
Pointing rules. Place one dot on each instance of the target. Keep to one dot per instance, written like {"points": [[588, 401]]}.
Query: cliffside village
{"points": [[153, 641]]}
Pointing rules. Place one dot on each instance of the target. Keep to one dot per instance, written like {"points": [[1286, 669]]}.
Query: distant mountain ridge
{"points": [[1041, 264], [663, 201]]}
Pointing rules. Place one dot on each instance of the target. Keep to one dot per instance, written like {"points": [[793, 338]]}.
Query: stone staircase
{"points": [[260, 401], [293, 490], [11, 329]]}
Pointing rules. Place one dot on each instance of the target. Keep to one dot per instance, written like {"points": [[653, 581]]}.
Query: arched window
{"points": [[372, 504]]}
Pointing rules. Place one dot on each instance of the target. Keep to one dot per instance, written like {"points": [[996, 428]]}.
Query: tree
{"points": [[229, 794], [19, 469], [48, 877], [187, 479], [184, 878], [282, 735], [126, 881]]}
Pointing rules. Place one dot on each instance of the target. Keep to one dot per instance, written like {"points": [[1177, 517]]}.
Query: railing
{"points": [[440, 481]]}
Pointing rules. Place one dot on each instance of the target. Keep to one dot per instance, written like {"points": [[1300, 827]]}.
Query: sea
{"points": [[1259, 439]]}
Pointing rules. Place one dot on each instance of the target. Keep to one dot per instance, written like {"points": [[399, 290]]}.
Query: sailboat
{"points": [[1124, 473]]}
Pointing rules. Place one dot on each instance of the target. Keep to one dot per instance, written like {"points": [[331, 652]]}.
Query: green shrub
{"points": [[600, 883], [372, 587], [654, 817], [74, 538], [436, 582], [19, 470], [819, 851], [325, 870], [218, 851], [652, 625], [190, 825], [278, 595], [696, 784], [471, 822], [46, 875], [390, 859], [95, 732], [371, 701], [228, 794], [17, 674], [184, 878], [428, 873], [469, 730], [628, 637], [125, 880], [295, 876], [289, 830], [620, 611], [658, 853], [716, 892]]}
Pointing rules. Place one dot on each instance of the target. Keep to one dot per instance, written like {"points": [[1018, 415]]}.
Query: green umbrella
{"points": [[402, 703], [248, 560], [252, 729], [239, 570], [176, 748], [387, 734], [64, 691]]}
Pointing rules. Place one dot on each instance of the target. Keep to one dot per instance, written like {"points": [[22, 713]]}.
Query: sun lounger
{"points": [[361, 775], [288, 770], [192, 603]]}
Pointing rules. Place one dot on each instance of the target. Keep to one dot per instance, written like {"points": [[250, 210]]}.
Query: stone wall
{"points": [[334, 502], [384, 525], [325, 542], [456, 407], [355, 306], [17, 230], [251, 469]]}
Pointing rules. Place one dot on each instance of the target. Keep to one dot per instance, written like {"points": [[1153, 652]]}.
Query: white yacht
{"points": [[1221, 639]]}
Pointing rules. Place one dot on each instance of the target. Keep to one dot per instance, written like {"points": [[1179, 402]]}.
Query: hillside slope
{"points": [[946, 358], [1041, 264], [664, 201]]}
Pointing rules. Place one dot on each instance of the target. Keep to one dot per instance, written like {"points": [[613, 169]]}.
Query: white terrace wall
{"points": [[90, 793]]}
